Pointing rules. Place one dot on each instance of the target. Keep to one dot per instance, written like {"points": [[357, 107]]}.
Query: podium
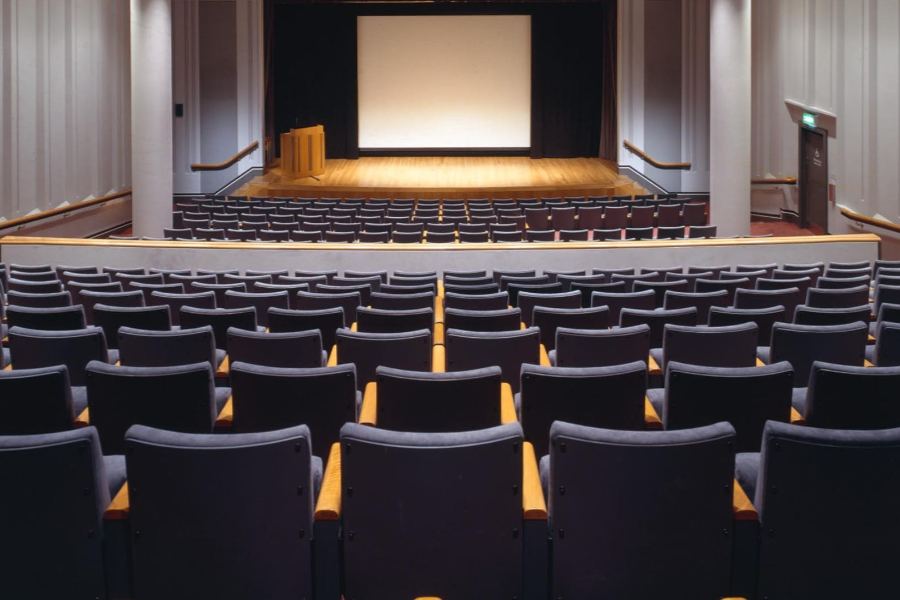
{"points": [[303, 152]]}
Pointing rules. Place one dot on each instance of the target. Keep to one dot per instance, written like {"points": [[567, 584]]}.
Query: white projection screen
{"points": [[434, 82]]}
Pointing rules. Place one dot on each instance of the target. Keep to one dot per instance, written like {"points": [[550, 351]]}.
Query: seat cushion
{"points": [[113, 356], [222, 396], [657, 355], [873, 328], [746, 471], [870, 355], [79, 398], [317, 473], [798, 399], [220, 356], [114, 465], [544, 469], [657, 397], [552, 356], [763, 353]]}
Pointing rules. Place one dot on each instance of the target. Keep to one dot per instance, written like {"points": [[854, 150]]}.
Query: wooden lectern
{"points": [[303, 152]]}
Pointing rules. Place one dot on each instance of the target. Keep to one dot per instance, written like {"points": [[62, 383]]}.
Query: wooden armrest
{"points": [[545, 358], [119, 508], [226, 417], [438, 334], [7, 368], [653, 367], [354, 327], [533, 505], [522, 325], [82, 420], [224, 369], [333, 357], [867, 364], [439, 310], [368, 414], [651, 418], [796, 417], [507, 405], [328, 507], [438, 360], [871, 339], [759, 363], [440, 288], [118, 363], [743, 508]]}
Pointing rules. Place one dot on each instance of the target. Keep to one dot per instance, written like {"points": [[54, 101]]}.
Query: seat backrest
{"points": [[375, 320], [746, 397], [701, 301], [661, 288], [271, 398], [327, 321], [844, 397], [675, 516], [220, 319], [179, 398], [609, 397], [549, 320], [389, 470], [55, 493], [410, 351], [35, 401], [802, 345], [733, 346], [601, 348], [616, 302], [765, 319], [142, 348], [483, 320], [262, 302], [657, 320], [263, 481], [90, 298], [800, 557], [49, 300], [111, 318], [714, 285], [349, 302], [176, 301], [438, 402], [509, 350], [64, 318], [479, 302], [528, 301], [789, 298], [806, 315], [298, 350], [402, 301], [33, 348]]}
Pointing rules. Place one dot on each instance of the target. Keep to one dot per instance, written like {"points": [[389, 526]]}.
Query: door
{"points": [[813, 179]]}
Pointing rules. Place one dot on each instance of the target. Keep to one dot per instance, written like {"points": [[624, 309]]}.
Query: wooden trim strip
{"points": [[328, 506], [228, 163], [63, 210], [665, 166], [870, 221], [522, 247], [774, 181]]}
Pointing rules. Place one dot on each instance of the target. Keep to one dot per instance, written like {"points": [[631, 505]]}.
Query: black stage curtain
{"points": [[314, 71], [314, 68]]}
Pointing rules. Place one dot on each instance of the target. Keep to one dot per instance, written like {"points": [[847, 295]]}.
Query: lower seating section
{"points": [[411, 221], [687, 431]]}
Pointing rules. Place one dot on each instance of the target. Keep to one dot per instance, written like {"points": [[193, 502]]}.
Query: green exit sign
{"points": [[809, 119]]}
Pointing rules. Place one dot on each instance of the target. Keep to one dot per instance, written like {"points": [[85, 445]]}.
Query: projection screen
{"points": [[432, 82]]}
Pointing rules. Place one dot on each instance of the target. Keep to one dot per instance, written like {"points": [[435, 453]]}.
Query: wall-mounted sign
{"points": [[809, 119]]}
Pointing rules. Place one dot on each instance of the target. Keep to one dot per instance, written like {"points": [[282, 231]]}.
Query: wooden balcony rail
{"points": [[666, 166], [62, 210], [774, 181], [880, 223], [231, 161]]}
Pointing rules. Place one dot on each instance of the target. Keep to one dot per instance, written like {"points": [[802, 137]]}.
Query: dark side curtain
{"points": [[609, 110]]}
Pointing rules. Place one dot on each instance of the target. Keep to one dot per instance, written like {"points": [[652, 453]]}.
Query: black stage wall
{"points": [[312, 70]]}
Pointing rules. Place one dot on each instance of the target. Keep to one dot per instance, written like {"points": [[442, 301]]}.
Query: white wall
{"points": [[664, 88], [223, 110], [837, 57], [65, 102]]}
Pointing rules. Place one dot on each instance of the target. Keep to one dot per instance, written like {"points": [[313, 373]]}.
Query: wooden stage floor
{"points": [[451, 177]]}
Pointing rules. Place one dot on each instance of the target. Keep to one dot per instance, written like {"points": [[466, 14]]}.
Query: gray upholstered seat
{"points": [[495, 301], [657, 320], [837, 298], [702, 286], [262, 302], [143, 348], [375, 320], [765, 319], [401, 301], [732, 346], [802, 556], [455, 541], [178, 398], [528, 301], [675, 518], [34, 287], [252, 533], [297, 350], [600, 348], [327, 321], [46, 300], [807, 315], [32, 348], [368, 351], [220, 319], [509, 350], [608, 397], [219, 289], [483, 320], [36, 401], [56, 489], [549, 320], [478, 290], [271, 398], [802, 345], [616, 302], [349, 302], [789, 298], [886, 352], [438, 402], [64, 318], [662, 288], [176, 301], [703, 302], [845, 397]]}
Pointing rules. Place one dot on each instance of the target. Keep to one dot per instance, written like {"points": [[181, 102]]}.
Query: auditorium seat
{"points": [[326, 320], [90, 298], [694, 214], [422, 402], [602, 235], [609, 397], [661, 288], [670, 233], [144, 348], [291, 289], [703, 302], [639, 233], [48, 319], [443, 237], [590, 217], [806, 315], [262, 302], [413, 282], [567, 280], [111, 318], [218, 290], [549, 320], [747, 279], [837, 283], [643, 217], [36, 401], [58, 486], [702, 231], [468, 350], [528, 301], [401, 301], [837, 298], [30, 268], [290, 350], [370, 237], [616, 302], [34, 276], [271, 483], [375, 320], [364, 291], [169, 273], [476, 302], [886, 351], [669, 215], [789, 298], [50, 300], [732, 346], [483, 320], [176, 301], [406, 289], [573, 235], [70, 276], [34, 287], [765, 319], [114, 271], [306, 236], [411, 351], [671, 534], [34, 349], [472, 290], [464, 274], [714, 285], [513, 288], [657, 320], [804, 557]]}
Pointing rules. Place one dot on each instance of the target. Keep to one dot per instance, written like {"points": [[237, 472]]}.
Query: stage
{"points": [[450, 177]]}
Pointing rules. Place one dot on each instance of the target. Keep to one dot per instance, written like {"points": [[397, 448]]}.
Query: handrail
{"points": [[676, 166], [62, 210], [231, 161], [774, 181], [853, 216]]}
